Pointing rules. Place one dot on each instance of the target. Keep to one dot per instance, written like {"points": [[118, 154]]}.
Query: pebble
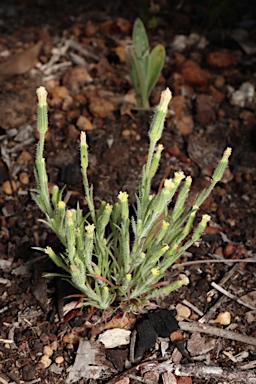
{"points": [[183, 312], [113, 338], [59, 359], [90, 29], [25, 156], [59, 92], [24, 178], [46, 361], [75, 78], [223, 318], [84, 124], [47, 350], [9, 187], [245, 94], [54, 345], [185, 125], [229, 250], [193, 74], [28, 372], [126, 133], [99, 107], [219, 82], [218, 59], [205, 113]]}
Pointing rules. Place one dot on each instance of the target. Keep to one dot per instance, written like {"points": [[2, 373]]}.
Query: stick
{"points": [[219, 332], [212, 292], [231, 296]]}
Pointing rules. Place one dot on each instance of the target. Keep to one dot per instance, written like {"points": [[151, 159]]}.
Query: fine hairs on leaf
{"points": [[144, 67], [115, 259]]}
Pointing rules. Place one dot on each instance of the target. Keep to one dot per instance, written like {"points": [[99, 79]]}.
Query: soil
{"points": [[76, 50]]}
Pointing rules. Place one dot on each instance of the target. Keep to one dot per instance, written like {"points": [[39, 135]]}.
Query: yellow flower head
{"points": [[169, 184], [155, 271], [178, 176], [61, 205], [188, 180], [165, 247], [90, 229], [165, 224], [128, 276], [108, 208], [123, 196]]}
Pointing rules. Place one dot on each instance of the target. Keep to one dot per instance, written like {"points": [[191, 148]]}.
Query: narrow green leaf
{"points": [[155, 64], [140, 39]]}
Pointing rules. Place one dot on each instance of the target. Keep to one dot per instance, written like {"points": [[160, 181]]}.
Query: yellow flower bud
{"points": [[128, 276], [90, 229], [123, 196], [155, 271], [61, 205]]}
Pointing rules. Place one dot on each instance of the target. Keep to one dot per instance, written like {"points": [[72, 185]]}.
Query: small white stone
{"points": [[113, 338]]}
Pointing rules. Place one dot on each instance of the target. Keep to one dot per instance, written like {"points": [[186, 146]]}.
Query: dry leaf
{"points": [[21, 62]]}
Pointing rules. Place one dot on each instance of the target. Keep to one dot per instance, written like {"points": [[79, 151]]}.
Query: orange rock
{"points": [[72, 132], [24, 178], [59, 92], [9, 187], [176, 82], [223, 318], [185, 125], [100, 107], [219, 59], [219, 82], [76, 77], [90, 29], [84, 124], [24, 157], [179, 58], [120, 51], [123, 24], [111, 27], [184, 120], [205, 113], [217, 95], [179, 105], [193, 74]]}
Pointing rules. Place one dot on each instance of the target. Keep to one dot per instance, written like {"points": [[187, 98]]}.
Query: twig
{"points": [[219, 332], [84, 52], [230, 375], [213, 309], [191, 306], [231, 296], [224, 374]]}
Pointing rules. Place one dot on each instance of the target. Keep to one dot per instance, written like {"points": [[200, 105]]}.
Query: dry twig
{"points": [[214, 331]]}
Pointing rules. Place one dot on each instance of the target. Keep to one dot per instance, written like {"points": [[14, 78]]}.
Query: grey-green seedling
{"points": [[115, 259], [144, 66]]}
